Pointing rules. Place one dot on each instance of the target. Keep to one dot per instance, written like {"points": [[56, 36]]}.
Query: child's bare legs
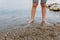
{"points": [[34, 6], [43, 6]]}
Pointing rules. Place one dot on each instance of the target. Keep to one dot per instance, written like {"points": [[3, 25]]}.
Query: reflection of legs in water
{"points": [[33, 12]]}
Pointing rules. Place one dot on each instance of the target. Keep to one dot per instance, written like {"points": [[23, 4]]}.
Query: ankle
{"points": [[43, 20], [31, 19]]}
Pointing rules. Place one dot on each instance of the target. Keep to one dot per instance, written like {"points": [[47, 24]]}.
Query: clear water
{"points": [[11, 12]]}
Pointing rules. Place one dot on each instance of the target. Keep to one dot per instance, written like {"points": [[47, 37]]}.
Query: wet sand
{"points": [[32, 32]]}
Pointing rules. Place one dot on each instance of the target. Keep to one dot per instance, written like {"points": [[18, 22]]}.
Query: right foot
{"points": [[31, 21], [45, 23]]}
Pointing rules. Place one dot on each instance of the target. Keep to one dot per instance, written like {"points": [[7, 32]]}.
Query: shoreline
{"points": [[21, 22], [33, 32]]}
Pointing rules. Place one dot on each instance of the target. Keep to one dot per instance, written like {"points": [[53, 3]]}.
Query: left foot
{"points": [[31, 21]]}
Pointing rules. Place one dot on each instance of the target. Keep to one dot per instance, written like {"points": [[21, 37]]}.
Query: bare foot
{"points": [[45, 23], [31, 21]]}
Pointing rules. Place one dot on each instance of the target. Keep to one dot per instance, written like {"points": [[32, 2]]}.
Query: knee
{"points": [[43, 4], [35, 5]]}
